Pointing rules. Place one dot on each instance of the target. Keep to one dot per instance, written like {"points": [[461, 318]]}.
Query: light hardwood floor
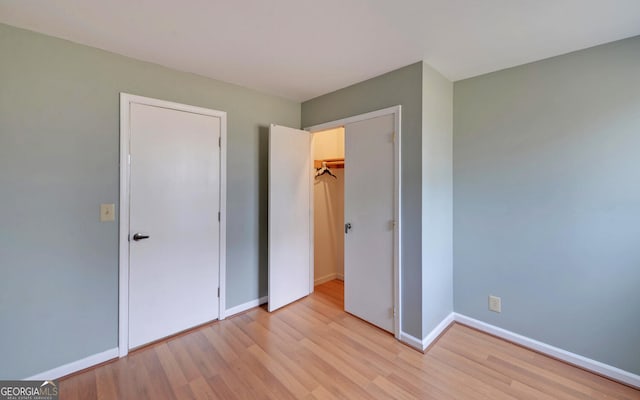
{"points": [[314, 350]]}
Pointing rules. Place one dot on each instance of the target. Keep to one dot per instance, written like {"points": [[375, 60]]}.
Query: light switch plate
{"points": [[107, 212]]}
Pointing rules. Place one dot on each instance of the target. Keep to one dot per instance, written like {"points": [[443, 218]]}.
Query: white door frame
{"points": [[125, 135], [396, 111]]}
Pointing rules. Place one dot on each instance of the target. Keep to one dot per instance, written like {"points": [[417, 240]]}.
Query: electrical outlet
{"points": [[107, 212], [495, 304]]}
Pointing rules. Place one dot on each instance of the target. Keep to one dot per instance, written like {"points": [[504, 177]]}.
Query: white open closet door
{"points": [[289, 216]]}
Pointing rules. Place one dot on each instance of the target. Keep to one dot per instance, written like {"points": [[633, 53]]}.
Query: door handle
{"points": [[140, 236], [347, 227]]}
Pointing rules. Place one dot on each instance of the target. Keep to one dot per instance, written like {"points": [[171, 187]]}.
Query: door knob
{"points": [[347, 227], [140, 236]]}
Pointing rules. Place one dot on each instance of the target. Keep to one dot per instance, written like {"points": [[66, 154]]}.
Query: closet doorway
{"points": [[351, 228], [327, 148]]}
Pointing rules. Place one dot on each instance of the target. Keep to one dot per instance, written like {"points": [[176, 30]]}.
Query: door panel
{"points": [[289, 216], [369, 208], [174, 199]]}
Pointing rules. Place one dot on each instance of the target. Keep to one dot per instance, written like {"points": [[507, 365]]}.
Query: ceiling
{"points": [[300, 49]]}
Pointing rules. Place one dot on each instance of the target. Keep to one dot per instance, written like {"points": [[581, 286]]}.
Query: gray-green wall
{"points": [[400, 87], [59, 127], [547, 201]]}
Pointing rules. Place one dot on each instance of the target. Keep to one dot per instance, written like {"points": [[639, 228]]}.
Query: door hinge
{"points": [[394, 311], [220, 141], [218, 291], [218, 216]]}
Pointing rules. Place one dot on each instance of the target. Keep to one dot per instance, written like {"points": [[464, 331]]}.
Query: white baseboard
{"points": [[75, 366], [437, 331], [340, 276], [325, 278], [411, 341], [566, 356], [422, 345], [245, 306]]}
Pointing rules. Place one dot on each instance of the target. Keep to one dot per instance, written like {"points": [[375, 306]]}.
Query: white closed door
{"points": [[174, 227], [289, 215], [369, 212]]}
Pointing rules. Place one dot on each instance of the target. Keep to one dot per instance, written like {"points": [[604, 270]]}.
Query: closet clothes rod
{"points": [[330, 162]]}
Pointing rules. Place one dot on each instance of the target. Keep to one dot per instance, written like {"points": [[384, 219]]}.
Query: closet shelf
{"points": [[331, 163]]}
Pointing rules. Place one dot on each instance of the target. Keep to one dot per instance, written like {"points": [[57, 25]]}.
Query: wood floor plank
{"points": [[184, 393], [280, 372], [105, 383], [531, 378], [269, 382], [170, 366], [202, 390], [142, 383], [468, 344], [483, 373], [220, 388], [247, 376], [181, 354], [283, 352], [157, 377], [353, 353], [312, 349], [321, 393], [332, 378], [392, 390], [205, 356], [419, 388], [350, 373], [497, 345]]}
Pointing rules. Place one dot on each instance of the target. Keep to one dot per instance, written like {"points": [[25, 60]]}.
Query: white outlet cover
{"points": [[495, 304]]}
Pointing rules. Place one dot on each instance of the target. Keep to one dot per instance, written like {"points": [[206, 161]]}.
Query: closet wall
{"points": [[329, 209]]}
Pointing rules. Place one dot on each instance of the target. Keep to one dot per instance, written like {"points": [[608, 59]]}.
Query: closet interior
{"points": [[328, 201]]}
